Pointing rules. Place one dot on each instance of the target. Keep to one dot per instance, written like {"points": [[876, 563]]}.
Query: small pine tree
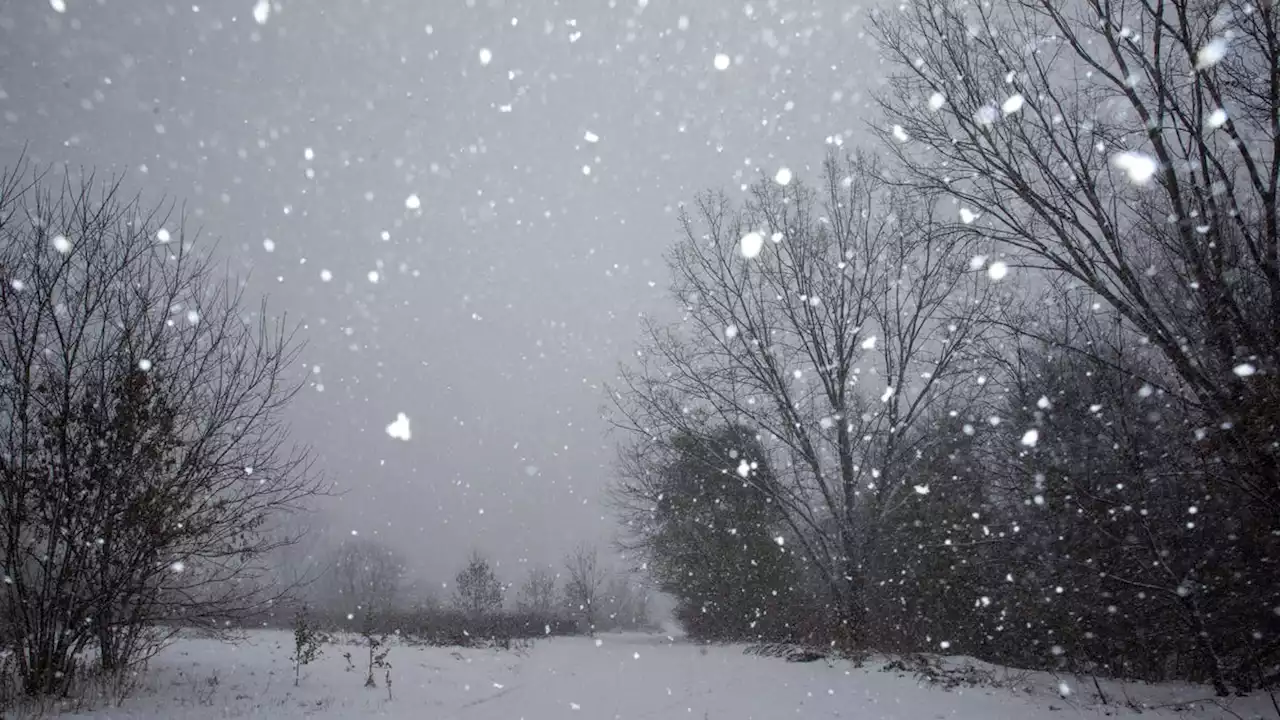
{"points": [[477, 591], [307, 643]]}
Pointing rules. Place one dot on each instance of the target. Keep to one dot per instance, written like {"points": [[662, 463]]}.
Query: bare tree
{"points": [[584, 582], [1130, 145], [538, 593], [142, 447], [300, 563], [626, 605], [836, 322], [365, 575]]}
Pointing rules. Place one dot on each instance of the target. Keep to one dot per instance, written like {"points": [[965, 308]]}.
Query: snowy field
{"points": [[618, 676]]}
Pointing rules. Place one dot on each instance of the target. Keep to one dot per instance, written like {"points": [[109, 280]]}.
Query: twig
{"points": [[1227, 710], [1101, 695]]}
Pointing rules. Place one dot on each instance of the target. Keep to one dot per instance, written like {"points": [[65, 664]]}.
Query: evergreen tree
{"points": [[477, 590], [713, 538]]}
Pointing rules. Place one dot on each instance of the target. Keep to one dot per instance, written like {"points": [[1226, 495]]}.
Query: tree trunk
{"points": [[851, 632]]}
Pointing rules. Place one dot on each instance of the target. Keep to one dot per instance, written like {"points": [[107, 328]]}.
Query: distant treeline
{"points": [[438, 626]]}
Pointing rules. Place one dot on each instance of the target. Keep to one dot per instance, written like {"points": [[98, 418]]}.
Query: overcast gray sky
{"points": [[549, 144]]}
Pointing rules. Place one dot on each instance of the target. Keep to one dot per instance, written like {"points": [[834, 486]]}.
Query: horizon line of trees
{"points": [[360, 580]]}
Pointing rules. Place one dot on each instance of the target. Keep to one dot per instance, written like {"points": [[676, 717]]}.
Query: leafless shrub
{"points": [[142, 448]]}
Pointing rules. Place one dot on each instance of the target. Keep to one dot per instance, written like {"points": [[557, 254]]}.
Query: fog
{"points": [[549, 146]]}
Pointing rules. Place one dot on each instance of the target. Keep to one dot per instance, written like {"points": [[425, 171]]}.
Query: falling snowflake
{"points": [[325, 276], [1244, 370], [936, 101], [1212, 53], [59, 6], [486, 56], [61, 244], [1031, 437], [998, 270], [1012, 104], [888, 393], [922, 489], [1043, 403], [783, 176], [986, 115], [869, 343], [721, 61], [967, 216], [193, 316], [1216, 119], [162, 235], [977, 262], [744, 468], [780, 540], [591, 137], [262, 11], [1138, 166], [899, 134], [751, 245], [269, 245], [413, 202], [373, 276], [178, 566], [399, 429], [144, 365], [731, 332]]}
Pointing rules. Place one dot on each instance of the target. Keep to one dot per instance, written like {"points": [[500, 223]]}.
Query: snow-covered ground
{"points": [[617, 676]]}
